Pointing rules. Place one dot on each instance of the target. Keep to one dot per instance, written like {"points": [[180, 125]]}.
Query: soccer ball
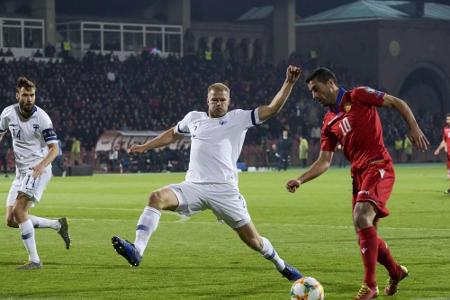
{"points": [[307, 288]]}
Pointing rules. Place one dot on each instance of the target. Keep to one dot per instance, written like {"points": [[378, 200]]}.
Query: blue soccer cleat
{"points": [[127, 250], [291, 273]]}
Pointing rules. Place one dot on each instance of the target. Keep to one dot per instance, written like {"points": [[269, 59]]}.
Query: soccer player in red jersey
{"points": [[353, 122], [445, 144]]}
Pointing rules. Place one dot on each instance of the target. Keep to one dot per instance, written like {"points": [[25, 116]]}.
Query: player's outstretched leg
{"points": [[269, 253], [127, 250], [64, 231], [251, 237]]}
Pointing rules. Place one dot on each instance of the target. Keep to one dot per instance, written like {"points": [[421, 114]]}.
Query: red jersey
{"points": [[446, 135], [354, 123]]}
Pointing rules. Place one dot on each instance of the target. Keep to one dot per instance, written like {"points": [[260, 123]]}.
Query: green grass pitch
{"points": [[198, 258]]}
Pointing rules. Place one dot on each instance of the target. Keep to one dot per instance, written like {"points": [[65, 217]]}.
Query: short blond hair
{"points": [[219, 86]]}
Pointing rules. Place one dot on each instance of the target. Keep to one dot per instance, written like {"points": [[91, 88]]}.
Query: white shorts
{"points": [[223, 199], [25, 183]]}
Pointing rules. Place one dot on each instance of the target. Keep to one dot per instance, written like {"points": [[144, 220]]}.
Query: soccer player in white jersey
{"points": [[35, 147], [211, 181]]}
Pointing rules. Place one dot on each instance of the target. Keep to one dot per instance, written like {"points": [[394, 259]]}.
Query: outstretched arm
{"points": [[167, 137], [320, 166], [415, 134], [267, 111]]}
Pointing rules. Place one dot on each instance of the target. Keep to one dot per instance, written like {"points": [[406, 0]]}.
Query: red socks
{"points": [[385, 258], [368, 244]]}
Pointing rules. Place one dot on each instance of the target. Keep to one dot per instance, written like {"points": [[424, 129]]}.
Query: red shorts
{"points": [[374, 184]]}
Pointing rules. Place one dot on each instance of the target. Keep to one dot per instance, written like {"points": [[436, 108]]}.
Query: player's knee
{"points": [[11, 223], [361, 220], [155, 200], [17, 213]]}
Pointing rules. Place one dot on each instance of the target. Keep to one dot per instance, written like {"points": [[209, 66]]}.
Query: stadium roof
{"points": [[366, 10], [257, 13]]}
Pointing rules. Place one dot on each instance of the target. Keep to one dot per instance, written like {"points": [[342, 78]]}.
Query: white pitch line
{"points": [[183, 219]]}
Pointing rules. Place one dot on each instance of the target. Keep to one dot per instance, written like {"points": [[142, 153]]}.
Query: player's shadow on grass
{"points": [[11, 263]]}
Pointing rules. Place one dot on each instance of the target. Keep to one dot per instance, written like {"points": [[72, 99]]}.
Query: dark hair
{"points": [[448, 115], [23, 82], [322, 75]]}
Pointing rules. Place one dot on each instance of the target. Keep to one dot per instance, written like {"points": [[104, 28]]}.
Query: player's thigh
{"points": [[376, 187], [12, 194], [35, 187], [228, 205], [189, 196]]}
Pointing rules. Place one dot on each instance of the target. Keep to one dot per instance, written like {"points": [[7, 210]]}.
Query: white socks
{"points": [[269, 253], [147, 224], [27, 231], [39, 222]]}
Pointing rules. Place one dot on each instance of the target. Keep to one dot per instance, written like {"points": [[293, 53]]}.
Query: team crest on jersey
{"points": [[347, 107], [36, 127]]}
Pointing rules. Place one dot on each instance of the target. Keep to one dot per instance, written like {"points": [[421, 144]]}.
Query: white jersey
{"points": [[30, 136], [216, 144]]}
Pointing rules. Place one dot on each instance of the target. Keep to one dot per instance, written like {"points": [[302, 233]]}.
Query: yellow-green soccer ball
{"points": [[307, 288]]}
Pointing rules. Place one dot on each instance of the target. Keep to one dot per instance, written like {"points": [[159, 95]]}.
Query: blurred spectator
{"points": [[284, 150], [49, 50], [75, 151], [113, 159], [66, 47], [124, 160], [303, 148], [273, 157], [407, 148], [58, 163], [38, 53], [4, 148], [9, 53], [398, 148]]}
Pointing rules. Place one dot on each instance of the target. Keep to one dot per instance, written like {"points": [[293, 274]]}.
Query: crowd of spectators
{"points": [[147, 92]]}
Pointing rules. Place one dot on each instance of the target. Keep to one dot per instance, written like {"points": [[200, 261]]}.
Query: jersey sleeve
{"points": [[247, 118], [3, 122], [182, 127], [328, 141], [48, 133], [368, 96]]}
